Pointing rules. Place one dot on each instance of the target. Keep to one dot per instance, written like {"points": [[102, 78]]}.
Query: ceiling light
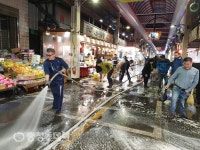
{"points": [[95, 1], [101, 20], [172, 26], [128, 27], [110, 26], [123, 34], [47, 33]]}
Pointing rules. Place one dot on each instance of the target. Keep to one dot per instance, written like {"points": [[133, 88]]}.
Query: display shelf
{"points": [[32, 86], [7, 89]]}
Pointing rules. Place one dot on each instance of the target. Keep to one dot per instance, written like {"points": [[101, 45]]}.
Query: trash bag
{"points": [[190, 100], [191, 109]]}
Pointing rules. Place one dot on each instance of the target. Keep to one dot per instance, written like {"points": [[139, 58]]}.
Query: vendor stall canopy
{"points": [[152, 19]]}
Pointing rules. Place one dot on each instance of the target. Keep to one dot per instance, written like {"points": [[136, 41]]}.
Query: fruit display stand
{"points": [[6, 83], [27, 77]]}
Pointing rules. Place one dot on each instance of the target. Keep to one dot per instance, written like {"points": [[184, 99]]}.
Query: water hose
{"points": [[60, 72]]}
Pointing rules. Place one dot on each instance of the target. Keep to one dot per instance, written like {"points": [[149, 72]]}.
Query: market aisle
{"points": [[134, 119]]}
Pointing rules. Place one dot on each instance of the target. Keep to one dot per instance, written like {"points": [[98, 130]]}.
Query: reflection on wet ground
{"points": [[135, 119]]}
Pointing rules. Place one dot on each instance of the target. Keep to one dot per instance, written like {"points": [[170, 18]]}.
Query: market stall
{"points": [[26, 72], [6, 83]]}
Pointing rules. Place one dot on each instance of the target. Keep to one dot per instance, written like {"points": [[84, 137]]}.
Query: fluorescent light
{"points": [[172, 26], [128, 27], [95, 1]]}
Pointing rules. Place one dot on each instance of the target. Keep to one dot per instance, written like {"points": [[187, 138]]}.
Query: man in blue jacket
{"points": [[53, 65], [163, 66], [177, 62]]}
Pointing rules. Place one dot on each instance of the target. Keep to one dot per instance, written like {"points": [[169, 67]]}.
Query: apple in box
{"points": [[9, 85]]}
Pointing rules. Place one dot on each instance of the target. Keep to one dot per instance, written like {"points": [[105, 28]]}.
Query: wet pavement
{"points": [[125, 117]]}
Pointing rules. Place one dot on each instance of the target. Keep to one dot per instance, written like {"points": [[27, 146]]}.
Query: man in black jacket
{"points": [[146, 71], [124, 69]]}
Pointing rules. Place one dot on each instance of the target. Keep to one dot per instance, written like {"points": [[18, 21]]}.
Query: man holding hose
{"points": [[53, 65]]}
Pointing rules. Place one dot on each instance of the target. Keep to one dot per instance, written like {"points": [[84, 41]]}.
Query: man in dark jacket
{"points": [[53, 65], [163, 66], [146, 71], [98, 67], [124, 69], [177, 62]]}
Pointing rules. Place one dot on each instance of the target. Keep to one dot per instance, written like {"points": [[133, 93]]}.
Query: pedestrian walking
{"points": [[185, 79], [163, 66], [177, 62], [146, 71]]}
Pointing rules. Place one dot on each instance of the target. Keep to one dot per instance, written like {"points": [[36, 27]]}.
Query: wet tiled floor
{"points": [[97, 118]]}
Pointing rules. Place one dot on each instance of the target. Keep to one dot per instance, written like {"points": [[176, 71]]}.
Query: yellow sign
{"points": [[126, 1]]}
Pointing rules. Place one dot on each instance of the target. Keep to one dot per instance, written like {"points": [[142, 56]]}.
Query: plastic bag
{"points": [[191, 109], [164, 97], [190, 100]]}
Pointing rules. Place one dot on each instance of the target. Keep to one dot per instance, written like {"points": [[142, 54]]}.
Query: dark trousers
{"points": [[110, 81], [122, 75], [198, 94], [162, 76], [57, 91], [146, 79]]}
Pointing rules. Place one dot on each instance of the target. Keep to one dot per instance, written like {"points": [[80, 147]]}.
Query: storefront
{"points": [[194, 51], [20, 64]]}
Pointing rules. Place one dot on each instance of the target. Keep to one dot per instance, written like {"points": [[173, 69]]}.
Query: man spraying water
{"points": [[52, 66]]}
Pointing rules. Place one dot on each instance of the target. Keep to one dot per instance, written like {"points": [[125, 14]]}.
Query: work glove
{"points": [[47, 84], [60, 72]]}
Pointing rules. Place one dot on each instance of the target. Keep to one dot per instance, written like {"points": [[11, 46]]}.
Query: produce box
{"points": [[28, 77], [10, 85], [2, 87]]}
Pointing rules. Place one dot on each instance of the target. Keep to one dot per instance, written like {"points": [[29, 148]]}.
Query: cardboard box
{"points": [[15, 50]]}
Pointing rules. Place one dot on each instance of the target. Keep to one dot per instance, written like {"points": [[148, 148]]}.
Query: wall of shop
{"points": [[22, 6]]}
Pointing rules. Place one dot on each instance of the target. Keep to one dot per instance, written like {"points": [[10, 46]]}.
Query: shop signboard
{"points": [[35, 59], [92, 31], [126, 1], [199, 32], [193, 34]]}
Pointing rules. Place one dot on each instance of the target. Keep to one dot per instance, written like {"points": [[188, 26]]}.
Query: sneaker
{"points": [[184, 116], [58, 114], [130, 82], [53, 107], [110, 86], [171, 116]]}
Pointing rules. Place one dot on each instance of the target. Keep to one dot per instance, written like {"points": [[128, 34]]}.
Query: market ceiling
{"points": [[141, 15]]}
